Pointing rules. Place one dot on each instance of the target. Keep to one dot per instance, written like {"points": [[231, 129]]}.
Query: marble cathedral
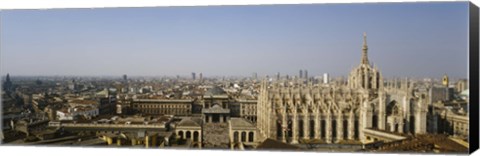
{"points": [[341, 112]]}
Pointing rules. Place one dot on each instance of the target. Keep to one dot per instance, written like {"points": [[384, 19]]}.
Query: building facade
{"points": [[179, 107], [340, 112]]}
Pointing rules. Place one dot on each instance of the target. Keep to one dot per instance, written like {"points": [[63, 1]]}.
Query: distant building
{"points": [[306, 74], [455, 123], [76, 112], [300, 74], [440, 93], [178, 107], [461, 85], [108, 105], [7, 85], [193, 76], [326, 78], [248, 110], [132, 131]]}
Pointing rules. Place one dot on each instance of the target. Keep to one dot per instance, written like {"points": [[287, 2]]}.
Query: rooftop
{"points": [[164, 100], [190, 122], [216, 109], [215, 91], [84, 102], [241, 123]]}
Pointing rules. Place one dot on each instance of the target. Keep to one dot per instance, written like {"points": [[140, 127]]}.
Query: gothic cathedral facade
{"points": [[340, 112]]}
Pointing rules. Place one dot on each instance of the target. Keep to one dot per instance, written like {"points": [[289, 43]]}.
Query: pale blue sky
{"points": [[405, 39]]}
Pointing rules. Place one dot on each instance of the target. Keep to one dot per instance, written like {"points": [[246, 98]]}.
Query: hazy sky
{"points": [[404, 39]]}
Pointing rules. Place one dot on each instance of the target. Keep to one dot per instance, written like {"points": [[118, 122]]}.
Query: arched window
{"points": [[244, 136], [188, 135], [180, 133], [235, 137], [196, 136], [250, 137]]}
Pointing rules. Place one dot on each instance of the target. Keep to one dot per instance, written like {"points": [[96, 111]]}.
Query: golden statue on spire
{"points": [[445, 80]]}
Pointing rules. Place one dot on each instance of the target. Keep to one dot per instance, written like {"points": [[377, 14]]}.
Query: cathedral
{"points": [[341, 112]]}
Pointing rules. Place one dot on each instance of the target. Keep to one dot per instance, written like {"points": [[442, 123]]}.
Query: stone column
{"points": [[119, 142], [381, 111], [247, 137], [210, 118], [147, 144], [191, 135], [154, 140], [221, 118], [295, 129], [199, 140], [351, 126], [317, 126], [420, 119], [199, 136], [407, 124], [133, 141], [392, 127], [109, 140], [284, 128], [362, 122], [306, 126], [400, 127], [339, 127], [328, 129]]}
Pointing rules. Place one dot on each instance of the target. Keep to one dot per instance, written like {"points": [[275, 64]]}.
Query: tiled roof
{"points": [[190, 122], [241, 123], [215, 91], [89, 102]]}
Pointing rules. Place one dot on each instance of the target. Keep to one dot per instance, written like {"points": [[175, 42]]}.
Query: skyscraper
{"points": [[193, 75], [325, 78], [7, 85], [300, 74], [306, 74]]}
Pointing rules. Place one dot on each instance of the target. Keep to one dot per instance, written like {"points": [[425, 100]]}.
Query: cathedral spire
{"points": [[365, 50]]}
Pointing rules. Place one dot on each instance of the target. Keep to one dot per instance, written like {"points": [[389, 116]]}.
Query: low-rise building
{"points": [[178, 107], [74, 113]]}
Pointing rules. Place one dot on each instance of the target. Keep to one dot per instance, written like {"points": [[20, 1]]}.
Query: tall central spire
{"points": [[365, 49]]}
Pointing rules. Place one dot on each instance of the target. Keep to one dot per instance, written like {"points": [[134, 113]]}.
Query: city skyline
{"points": [[237, 40]]}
